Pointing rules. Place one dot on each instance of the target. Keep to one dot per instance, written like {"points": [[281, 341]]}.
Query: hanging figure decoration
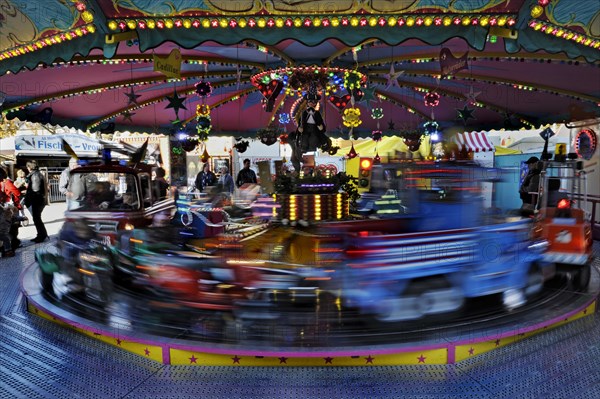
{"points": [[310, 134]]}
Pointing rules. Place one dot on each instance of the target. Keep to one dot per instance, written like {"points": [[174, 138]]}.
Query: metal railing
{"points": [[54, 195]]}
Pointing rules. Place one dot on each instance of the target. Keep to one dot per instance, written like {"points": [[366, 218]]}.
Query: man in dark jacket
{"points": [[35, 199], [246, 175]]}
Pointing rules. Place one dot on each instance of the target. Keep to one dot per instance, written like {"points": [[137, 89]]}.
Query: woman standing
{"points": [[35, 199]]}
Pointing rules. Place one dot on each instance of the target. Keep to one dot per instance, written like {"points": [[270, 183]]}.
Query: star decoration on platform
{"points": [[127, 116], [328, 360], [369, 359], [471, 96], [421, 359], [132, 97], [471, 351], [147, 352], [119, 342], [176, 103], [193, 359], [236, 359], [497, 342], [391, 125], [283, 360], [465, 114], [392, 77]]}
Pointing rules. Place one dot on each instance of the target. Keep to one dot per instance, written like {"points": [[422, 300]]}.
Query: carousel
{"points": [[369, 226]]}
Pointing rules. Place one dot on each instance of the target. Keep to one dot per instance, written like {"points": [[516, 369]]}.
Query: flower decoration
{"points": [[333, 150], [283, 139], [284, 118], [377, 113], [189, 144], [268, 135], [241, 146], [432, 99], [204, 124], [203, 110], [203, 88], [376, 135], [352, 80], [177, 150], [351, 117]]}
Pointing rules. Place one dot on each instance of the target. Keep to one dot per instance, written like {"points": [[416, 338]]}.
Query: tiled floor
{"points": [[39, 359]]}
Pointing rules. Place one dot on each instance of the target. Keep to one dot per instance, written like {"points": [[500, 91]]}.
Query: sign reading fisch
{"points": [[52, 145]]}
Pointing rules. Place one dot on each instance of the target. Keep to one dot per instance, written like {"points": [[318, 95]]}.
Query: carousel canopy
{"points": [[136, 65]]}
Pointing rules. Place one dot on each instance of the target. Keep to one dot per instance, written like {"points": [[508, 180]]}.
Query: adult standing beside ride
{"points": [[530, 185], [11, 194], [160, 185], [64, 184], [205, 178], [246, 175], [226, 181], [35, 199]]}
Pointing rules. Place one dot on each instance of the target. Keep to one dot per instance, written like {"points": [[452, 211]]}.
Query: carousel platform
{"points": [[312, 339], [45, 358]]}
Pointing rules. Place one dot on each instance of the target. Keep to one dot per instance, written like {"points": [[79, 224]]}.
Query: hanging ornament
{"points": [[377, 159], [203, 121], [189, 144], [431, 127], [267, 136], [203, 88], [351, 117], [333, 150], [283, 139], [432, 99], [377, 113], [391, 125], [543, 3], [368, 95], [352, 153], [340, 102], [127, 115], [465, 114], [471, 96], [353, 80], [392, 77], [284, 118], [376, 135], [132, 97], [177, 150], [204, 157], [241, 146], [176, 102]]}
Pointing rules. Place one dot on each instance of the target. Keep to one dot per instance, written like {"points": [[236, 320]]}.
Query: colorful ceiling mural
{"points": [[462, 64]]}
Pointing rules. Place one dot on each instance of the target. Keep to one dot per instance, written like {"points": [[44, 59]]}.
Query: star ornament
{"points": [[368, 95], [127, 116], [132, 97], [176, 102], [471, 96], [465, 114], [392, 77]]}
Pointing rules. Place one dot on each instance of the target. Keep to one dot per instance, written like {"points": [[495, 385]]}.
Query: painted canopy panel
{"points": [[116, 8]]}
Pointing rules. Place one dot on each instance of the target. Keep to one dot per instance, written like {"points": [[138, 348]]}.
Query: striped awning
{"points": [[473, 142]]}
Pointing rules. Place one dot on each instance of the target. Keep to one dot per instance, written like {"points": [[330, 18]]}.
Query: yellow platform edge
{"points": [[445, 354]]}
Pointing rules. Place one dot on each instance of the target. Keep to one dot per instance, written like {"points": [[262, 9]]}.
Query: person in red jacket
{"points": [[11, 193]]}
